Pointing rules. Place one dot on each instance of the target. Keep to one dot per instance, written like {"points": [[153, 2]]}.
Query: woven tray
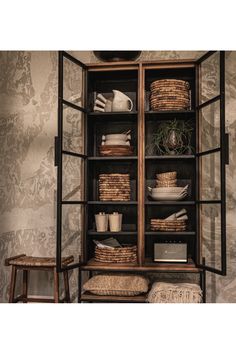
{"points": [[168, 225], [126, 254]]}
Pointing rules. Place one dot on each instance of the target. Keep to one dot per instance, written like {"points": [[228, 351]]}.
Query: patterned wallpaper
{"points": [[28, 119]]}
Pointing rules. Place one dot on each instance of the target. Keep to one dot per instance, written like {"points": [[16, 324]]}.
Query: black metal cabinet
{"points": [[78, 162]]}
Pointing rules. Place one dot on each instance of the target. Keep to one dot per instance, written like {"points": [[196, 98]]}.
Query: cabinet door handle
{"points": [[226, 148], [56, 151]]}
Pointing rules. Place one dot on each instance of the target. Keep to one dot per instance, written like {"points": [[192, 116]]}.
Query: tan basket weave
{"points": [[126, 254]]}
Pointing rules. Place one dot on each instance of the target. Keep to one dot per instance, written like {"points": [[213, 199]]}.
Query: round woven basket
{"points": [[125, 254]]}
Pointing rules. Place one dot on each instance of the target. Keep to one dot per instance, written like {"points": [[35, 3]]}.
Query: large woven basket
{"points": [[125, 254]]}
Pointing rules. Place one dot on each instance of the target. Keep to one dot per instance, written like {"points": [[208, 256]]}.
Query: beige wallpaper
{"points": [[28, 119]]}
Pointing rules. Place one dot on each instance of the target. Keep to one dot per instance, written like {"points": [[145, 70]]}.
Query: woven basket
{"points": [[125, 254]]}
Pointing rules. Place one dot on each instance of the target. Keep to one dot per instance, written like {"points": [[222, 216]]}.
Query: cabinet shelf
{"points": [[148, 266], [105, 298], [181, 202], [170, 157], [109, 233], [97, 202], [104, 114], [114, 158], [170, 233]]}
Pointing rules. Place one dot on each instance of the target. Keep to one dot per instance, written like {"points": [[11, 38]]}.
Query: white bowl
{"points": [[116, 137], [168, 197], [167, 190], [116, 142]]}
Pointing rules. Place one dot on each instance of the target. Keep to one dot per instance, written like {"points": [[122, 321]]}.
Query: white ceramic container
{"points": [[101, 220], [115, 222]]}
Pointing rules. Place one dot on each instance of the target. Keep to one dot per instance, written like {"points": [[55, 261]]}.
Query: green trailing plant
{"points": [[171, 138]]}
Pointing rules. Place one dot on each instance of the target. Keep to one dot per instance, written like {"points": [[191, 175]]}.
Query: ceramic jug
{"points": [[115, 222], [121, 102], [101, 222]]}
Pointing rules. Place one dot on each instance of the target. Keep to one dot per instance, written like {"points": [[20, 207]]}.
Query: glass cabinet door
{"points": [[70, 159], [211, 158]]}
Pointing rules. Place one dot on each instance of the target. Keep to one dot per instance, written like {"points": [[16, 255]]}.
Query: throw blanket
{"points": [[175, 293]]}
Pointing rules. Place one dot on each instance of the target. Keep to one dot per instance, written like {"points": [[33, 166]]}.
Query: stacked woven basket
{"points": [[167, 179], [114, 187], [169, 94], [125, 254], [168, 225]]}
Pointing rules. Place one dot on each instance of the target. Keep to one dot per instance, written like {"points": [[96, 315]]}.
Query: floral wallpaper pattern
{"points": [[28, 124]]}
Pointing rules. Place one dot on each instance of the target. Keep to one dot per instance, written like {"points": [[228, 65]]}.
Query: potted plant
{"points": [[171, 138]]}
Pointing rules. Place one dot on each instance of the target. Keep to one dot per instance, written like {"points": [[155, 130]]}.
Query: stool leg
{"points": [[12, 284], [56, 285], [66, 283], [25, 286]]}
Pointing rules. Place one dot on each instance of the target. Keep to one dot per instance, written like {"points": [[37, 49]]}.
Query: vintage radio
{"points": [[170, 252]]}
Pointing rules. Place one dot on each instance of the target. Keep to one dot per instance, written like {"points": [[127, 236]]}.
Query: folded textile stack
{"points": [[175, 293], [114, 187], [169, 94]]}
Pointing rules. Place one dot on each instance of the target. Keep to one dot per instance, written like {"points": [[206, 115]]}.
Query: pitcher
{"points": [[121, 102]]}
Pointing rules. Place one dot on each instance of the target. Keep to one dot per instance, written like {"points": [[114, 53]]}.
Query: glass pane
{"points": [[209, 127], [210, 78], [73, 130], [210, 232], [73, 83], [72, 178], [71, 231], [210, 184]]}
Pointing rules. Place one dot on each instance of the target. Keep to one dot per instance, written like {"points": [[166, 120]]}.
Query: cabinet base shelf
{"points": [[105, 298], [148, 266]]}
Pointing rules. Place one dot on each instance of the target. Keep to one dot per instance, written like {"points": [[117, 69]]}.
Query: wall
{"points": [[28, 119]]}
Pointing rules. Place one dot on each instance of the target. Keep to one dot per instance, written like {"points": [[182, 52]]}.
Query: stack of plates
{"points": [[169, 94], [116, 150], [168, 225], [114, 187], [167, 179]]}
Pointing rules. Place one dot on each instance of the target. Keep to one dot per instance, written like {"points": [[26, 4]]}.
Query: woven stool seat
{"points": [[27, 261], [26, 264]]}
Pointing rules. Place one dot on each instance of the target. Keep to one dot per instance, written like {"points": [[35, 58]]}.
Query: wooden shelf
{"points": [[109, 233], [105, 298], [98, 202], [170, 233], [148, 266], [115, 158], [170, 157]]}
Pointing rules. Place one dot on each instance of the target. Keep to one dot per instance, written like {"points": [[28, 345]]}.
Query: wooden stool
{"points": [[25, 263]]}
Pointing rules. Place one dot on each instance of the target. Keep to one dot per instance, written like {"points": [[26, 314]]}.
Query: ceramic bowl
{"points": [[166, 197], [116, 137], [167, 190], [116, 142]]}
